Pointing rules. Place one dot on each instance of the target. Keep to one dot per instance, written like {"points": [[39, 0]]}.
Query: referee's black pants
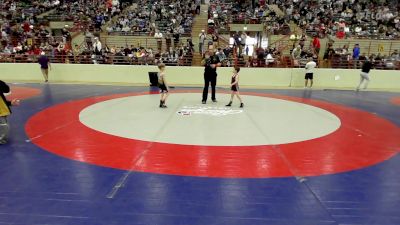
{"points": [[209, 78]]}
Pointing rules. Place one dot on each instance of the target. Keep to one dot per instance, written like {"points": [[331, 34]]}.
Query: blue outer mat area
{"points": [[37, 187]]}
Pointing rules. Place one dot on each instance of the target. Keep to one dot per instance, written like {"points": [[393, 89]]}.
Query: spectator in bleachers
{"points": [[269, 60], [221, 56], [362, 57], [356, 52], [296, 53], [215, 39], [190, 45], [146, 18], [66, 34], [168, 39], [87, 14], [97, 50], [158, 36], [202, 40], [302, 40], [345, 17], [316, 44], [221, 13], [395, 55]]}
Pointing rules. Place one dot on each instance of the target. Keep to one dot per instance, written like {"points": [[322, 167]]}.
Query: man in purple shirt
{"points": [[44, 65]]}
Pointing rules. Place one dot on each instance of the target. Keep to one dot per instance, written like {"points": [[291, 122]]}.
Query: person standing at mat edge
{"points": [[364, 75], [309, 72], [235, 86], [5, 111], [162, 84], [44, 66], [210, 63]]}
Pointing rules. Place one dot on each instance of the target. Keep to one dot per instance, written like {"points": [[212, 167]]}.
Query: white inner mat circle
{"points": [[263, 121]]}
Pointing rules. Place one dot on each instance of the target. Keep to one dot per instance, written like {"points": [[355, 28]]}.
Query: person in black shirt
{"points": [[328, 55], [210, 63], [66, 34], [215, 39], [44, 62], [364, 75], [362, 58]]}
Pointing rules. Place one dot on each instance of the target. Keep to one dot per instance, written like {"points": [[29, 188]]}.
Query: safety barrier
{"points": [[193, 76]]}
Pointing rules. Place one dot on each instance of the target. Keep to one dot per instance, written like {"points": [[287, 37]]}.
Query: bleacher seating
{"points": [[23, 36]]}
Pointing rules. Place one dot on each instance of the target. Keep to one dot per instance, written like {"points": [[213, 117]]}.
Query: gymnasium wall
{"points": [[193, 76]]}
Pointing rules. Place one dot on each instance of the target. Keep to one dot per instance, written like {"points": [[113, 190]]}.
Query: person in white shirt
{"points": [[115, 3], [309, 72], [202, 39], [158, 36], [96, 49], [296, 52], [97, 46], [270, 59], [126, 29]]}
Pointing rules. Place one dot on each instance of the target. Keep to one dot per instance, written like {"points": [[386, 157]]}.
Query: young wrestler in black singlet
{"points": [[235, 86], [162, 84]]}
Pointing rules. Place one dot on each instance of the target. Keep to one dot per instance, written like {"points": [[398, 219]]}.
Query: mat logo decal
{"points": [[207, 110]]}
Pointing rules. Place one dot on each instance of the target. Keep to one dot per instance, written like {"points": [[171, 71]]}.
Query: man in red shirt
{"points": [[316, 44], [26, 26]]}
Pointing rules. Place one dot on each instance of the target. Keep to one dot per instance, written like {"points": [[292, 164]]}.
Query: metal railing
{"points": [[334, 63], [97, 59], [369, 47], [36, 40], [140, 33], [277, 62], [144, 42]]}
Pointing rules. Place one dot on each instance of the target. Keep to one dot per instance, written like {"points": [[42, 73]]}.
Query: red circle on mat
{"points": [[363, 139], [23, 92], [395, 100]]}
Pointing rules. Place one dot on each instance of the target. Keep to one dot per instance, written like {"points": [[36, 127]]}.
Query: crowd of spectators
{"points": [[345, 56], [25, 40], [22, 36], [15, 12], [179, 56], [22, 33], [261, 57], [94, 52], [264, 57], [341, 18], [87, 14], [345, 18], [148, 17], [19, 23], [30, 39], [221, 13], [352, 57]]}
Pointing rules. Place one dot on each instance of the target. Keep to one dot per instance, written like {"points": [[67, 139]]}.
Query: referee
{"points": [[210, 63]]}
